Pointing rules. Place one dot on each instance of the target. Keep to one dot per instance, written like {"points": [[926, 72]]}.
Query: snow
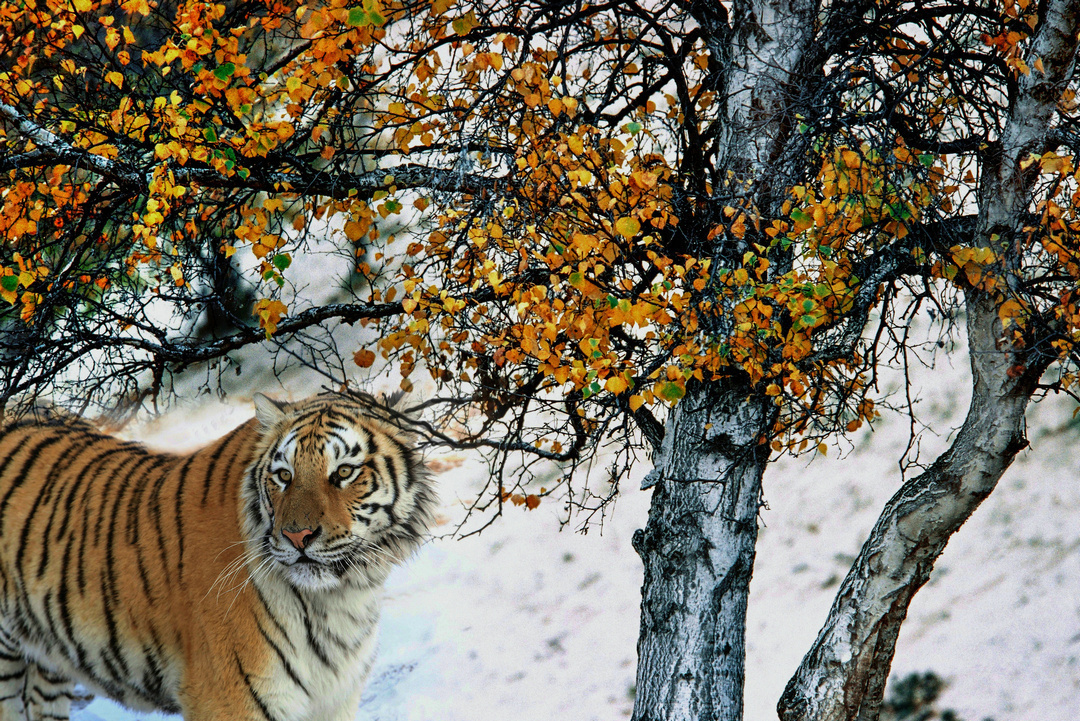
{"points": [[530, 623]]}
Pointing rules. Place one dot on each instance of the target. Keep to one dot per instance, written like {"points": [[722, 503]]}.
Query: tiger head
{"points": [[333, 495]]}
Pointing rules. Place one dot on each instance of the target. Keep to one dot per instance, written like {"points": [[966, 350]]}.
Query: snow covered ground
{"points": [[532, 624]]}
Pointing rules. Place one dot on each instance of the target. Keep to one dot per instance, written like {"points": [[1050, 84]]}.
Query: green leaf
{"points": [[464, 24], [358, 18], [632, 128], [374, 13], [671, 391], [210, 134], [10, 283], [224, 71], [282, 261], [268, 274], [926, 160], [244, 173]]}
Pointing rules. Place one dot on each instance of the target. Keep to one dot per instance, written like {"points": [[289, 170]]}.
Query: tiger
{"points": [[240, 582]]}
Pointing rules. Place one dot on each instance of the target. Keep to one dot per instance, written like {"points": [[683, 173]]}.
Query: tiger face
{"points": [[335, 492]]}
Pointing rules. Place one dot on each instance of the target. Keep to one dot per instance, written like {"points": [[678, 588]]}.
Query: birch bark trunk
{"points": [[698, 545], [698, 551], [843, 676]]}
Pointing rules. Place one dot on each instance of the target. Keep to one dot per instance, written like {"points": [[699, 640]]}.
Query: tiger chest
{"points": [[318, 668]]}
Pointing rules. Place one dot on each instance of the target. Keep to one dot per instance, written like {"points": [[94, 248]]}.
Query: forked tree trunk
{"points": [[698, 551]]}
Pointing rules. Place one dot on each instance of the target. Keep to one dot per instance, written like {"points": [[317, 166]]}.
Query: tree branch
{"points": [[263, 176]]}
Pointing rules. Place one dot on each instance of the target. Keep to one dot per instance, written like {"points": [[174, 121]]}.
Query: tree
{"points": [[694, 225]]}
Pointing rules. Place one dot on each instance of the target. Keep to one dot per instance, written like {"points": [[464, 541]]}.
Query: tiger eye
{"points": [[285, 476], [344, 471]]}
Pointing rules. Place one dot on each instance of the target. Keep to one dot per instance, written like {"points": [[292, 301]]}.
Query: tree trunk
{"points": [[843, 676], [698, 551], [698, 545]]}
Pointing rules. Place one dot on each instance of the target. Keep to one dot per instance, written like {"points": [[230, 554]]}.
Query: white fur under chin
{"points": [[312, 578]]}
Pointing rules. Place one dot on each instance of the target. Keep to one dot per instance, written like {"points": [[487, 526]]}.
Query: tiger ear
{"points": [[268, 411]]}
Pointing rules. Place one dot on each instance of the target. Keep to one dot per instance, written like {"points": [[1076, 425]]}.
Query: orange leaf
{"points": [[353, 231], [364, 358]]}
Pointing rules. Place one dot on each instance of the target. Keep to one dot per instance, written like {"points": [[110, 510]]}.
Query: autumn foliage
{"points": [[529, 198]]}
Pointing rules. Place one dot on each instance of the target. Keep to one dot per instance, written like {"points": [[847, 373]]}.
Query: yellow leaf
{"points": [[1009, 311], [822, 449], [627, 227], [115, 78], [636, 402], [83, 6], [409, 305], [616, 385]]}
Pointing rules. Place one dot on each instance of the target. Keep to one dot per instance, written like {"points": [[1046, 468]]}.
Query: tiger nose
{"points": [[300, 538]]}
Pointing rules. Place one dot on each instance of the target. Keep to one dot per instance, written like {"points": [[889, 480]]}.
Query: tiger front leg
{"points": [[347, 709], [46, 696], [13, 671], [227, 701]]}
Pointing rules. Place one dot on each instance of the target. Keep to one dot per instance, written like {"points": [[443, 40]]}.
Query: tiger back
{"points": [[237, 582]]}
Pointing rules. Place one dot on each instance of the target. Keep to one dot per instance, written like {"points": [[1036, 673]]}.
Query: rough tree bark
{"points": [[698, 551], [843, 676], [698, 545]]}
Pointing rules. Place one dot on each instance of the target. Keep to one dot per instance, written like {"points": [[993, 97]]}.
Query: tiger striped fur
{"points": [[239, 582]]}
